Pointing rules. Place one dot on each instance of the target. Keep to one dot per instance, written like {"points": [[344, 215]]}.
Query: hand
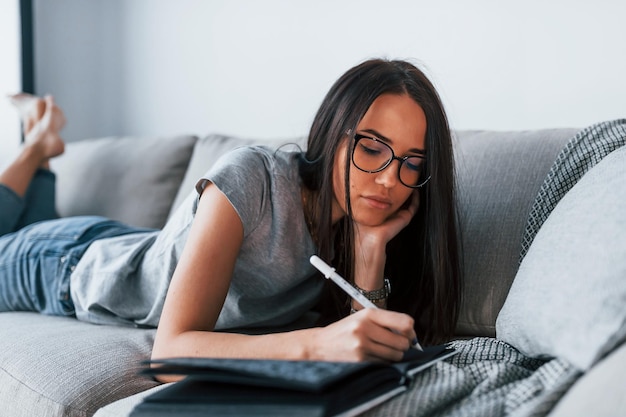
{"points": [[386, 231], [369, 334]]}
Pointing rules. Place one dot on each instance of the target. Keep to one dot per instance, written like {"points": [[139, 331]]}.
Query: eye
{"points": [[414, 164], [369, 147], [372, 146]]}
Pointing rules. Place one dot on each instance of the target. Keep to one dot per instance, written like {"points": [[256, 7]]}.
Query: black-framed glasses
{"points": [[371, 155]]}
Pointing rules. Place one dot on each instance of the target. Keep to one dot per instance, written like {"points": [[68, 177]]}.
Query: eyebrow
{"points": [[389, 141]]}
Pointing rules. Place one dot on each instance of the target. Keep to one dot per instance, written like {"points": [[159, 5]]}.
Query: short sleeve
{"points": [[242, 175]]}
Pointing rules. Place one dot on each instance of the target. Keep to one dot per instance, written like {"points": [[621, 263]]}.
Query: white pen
{"points": [[329, 273]]}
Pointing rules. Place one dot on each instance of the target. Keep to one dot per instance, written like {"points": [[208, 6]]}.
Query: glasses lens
{"points": [[371, 155], [411, 171]]}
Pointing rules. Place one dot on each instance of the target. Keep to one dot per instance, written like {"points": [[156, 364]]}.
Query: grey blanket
{"points": [[486, 378], [581, 153], [489, 377]]}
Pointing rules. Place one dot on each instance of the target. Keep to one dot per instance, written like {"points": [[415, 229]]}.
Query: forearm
{"points": [[369, 269], [372, 334], [287, 346]]}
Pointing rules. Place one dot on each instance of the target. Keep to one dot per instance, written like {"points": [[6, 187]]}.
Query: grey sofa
{"points": [[51, 366]]}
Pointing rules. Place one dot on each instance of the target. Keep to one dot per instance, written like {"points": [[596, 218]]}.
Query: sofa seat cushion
{"points": [[125, 406], [56, 366], [130, 179]]}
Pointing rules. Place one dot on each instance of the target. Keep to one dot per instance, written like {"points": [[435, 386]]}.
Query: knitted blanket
{"points": [[581, 153], [487, 378]]}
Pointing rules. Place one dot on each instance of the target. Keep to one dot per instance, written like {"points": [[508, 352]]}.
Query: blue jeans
{"points": [[38, 203], [38, 251], [36, 261]]}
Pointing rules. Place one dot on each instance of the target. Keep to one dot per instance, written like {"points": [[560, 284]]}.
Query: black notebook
{"points": [[242, 387]]}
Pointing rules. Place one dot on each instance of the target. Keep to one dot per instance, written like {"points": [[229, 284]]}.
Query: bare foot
{"points": [[30, 109], [43, 120], [45, 132]]}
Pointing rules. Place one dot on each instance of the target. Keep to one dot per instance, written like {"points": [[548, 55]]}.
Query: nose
{"points": [[388, 177]]}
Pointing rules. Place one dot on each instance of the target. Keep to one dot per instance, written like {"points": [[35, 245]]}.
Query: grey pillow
{"points": [[130, 179], [568, 299]]}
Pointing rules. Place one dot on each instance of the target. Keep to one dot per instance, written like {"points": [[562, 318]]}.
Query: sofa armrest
{"points": [[599, 392]]}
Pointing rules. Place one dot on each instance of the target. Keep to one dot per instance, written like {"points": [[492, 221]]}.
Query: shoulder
{"points": [[253, 163], [246, 155], [254, 179]]}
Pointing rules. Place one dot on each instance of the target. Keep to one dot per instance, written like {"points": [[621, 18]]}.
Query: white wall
{"points": [[261, 67], [10, 79]]}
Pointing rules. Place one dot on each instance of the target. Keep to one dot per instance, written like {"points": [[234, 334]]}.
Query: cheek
{"points": [[405, 197], [359, 181]]}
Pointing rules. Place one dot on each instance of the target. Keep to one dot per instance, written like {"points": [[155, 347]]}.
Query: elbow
{"points": [[164, 345], [163, 349]]}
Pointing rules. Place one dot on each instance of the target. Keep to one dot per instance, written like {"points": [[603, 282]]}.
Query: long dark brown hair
{"points": [[424, 259]]}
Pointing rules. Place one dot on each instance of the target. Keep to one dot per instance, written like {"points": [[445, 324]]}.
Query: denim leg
{"points": [[40, 199], [38, 203], [11, 208], [36, 262]]}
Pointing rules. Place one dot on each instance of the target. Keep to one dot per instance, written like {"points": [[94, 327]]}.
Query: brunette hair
{"points": [[424, 259]]}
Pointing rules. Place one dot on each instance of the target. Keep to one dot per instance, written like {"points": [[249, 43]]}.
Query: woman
{"points": [[373, 195]]}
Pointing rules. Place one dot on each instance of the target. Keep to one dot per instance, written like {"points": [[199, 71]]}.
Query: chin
{"points": [[371, 220]]}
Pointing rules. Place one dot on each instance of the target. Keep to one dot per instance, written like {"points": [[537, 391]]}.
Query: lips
{"points": [[378, 202]]}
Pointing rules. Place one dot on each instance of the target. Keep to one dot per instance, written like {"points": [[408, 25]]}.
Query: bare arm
{"points": [[199, 287]]}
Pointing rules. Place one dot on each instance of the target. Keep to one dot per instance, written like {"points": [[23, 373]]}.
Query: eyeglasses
{"points": [[373, 155]]}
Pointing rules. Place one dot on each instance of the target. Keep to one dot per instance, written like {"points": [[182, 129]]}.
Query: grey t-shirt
{"points": [[124, 279]]}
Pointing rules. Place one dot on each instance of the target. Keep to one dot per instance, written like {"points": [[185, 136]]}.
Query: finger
{"points": [[383, 353], [400, 323], [412, 207], [389, 343]]}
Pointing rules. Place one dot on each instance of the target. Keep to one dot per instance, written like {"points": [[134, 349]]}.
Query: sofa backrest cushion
{"points": [[499, 176], [568, 297], [130, 179]]}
